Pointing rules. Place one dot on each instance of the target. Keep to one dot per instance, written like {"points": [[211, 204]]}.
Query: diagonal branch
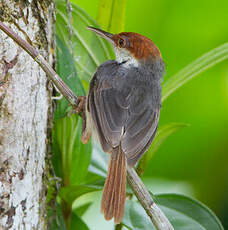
{"points": [[156, 215], [52, 75], [158, 218]]}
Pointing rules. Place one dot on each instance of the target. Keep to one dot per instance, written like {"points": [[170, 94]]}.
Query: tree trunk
{"points": [[25, 114]]}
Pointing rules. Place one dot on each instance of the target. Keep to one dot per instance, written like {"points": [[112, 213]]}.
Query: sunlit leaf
{"points": [[111, 15], [82, 209], [71, 193], [186, 213], [77, 223], [93, 178], [89, 49], [162, 134], [201, 64], [183, 212]]}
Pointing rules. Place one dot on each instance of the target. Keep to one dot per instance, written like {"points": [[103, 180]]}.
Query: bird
{"points": [[123, 109]]}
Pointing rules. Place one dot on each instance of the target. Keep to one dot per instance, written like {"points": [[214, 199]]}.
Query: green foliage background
{"points": [[183, 31], [194, 160]]}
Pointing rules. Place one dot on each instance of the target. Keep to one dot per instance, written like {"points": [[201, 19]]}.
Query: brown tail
{"points": [[113, 198]]}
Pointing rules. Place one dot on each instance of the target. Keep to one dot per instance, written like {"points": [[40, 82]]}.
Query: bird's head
{"points": [[132, 48]]}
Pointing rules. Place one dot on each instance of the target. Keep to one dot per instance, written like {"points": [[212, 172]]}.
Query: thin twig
{"points": [[156, 215], [153, 211]]}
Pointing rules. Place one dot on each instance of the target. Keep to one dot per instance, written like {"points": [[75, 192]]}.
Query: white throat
{"points": [[124, 56]]}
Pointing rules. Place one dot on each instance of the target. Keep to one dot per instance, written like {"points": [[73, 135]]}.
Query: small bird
{"points": [[123, 108]]}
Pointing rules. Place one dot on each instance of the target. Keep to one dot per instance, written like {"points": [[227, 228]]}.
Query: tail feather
{"points": [[121, 186], [113, 198]]}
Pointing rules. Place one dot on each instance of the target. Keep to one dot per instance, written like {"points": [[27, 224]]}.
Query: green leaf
{"points": [[81, 157], [135, 217], [82, 209], [89, 49], [75, 156], [77, 223], [201, 64], [111, 15], [57, 220], [184, 214], [93, 179], [99, 162], [71, 193], [162, 134], [66, 69]]}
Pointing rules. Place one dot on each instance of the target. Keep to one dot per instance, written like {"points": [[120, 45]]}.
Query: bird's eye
{"points": [[121, 42]]}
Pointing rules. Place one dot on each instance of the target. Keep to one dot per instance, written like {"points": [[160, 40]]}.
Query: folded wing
{"points": [[125, 110]]}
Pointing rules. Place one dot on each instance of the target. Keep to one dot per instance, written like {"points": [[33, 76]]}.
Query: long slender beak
{"points": [[102, 33]]}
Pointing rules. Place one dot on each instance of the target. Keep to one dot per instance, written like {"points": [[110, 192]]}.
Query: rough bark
{"points": [[25, 115]]}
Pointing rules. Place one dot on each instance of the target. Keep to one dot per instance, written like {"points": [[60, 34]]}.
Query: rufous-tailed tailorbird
{"points": [[123, 108]]}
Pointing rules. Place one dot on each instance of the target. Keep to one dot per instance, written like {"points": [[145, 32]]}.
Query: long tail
{"points": [[113, 198]]}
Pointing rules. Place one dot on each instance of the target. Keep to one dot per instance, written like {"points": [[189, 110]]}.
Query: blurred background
{"points": [[194, 161]]}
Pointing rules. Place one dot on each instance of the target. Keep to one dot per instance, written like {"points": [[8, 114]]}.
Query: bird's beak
{"points": [[103, 34]]}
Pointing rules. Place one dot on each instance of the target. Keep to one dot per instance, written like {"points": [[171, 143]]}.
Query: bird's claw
{"points": [[81, 105], [80, 109]]}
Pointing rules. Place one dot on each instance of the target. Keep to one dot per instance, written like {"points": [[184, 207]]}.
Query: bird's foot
{"points": [[85, 136], [81, 110], [81, 105]]}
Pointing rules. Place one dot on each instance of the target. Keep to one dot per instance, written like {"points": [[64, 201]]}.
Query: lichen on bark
{"points": [[25, 115]]}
